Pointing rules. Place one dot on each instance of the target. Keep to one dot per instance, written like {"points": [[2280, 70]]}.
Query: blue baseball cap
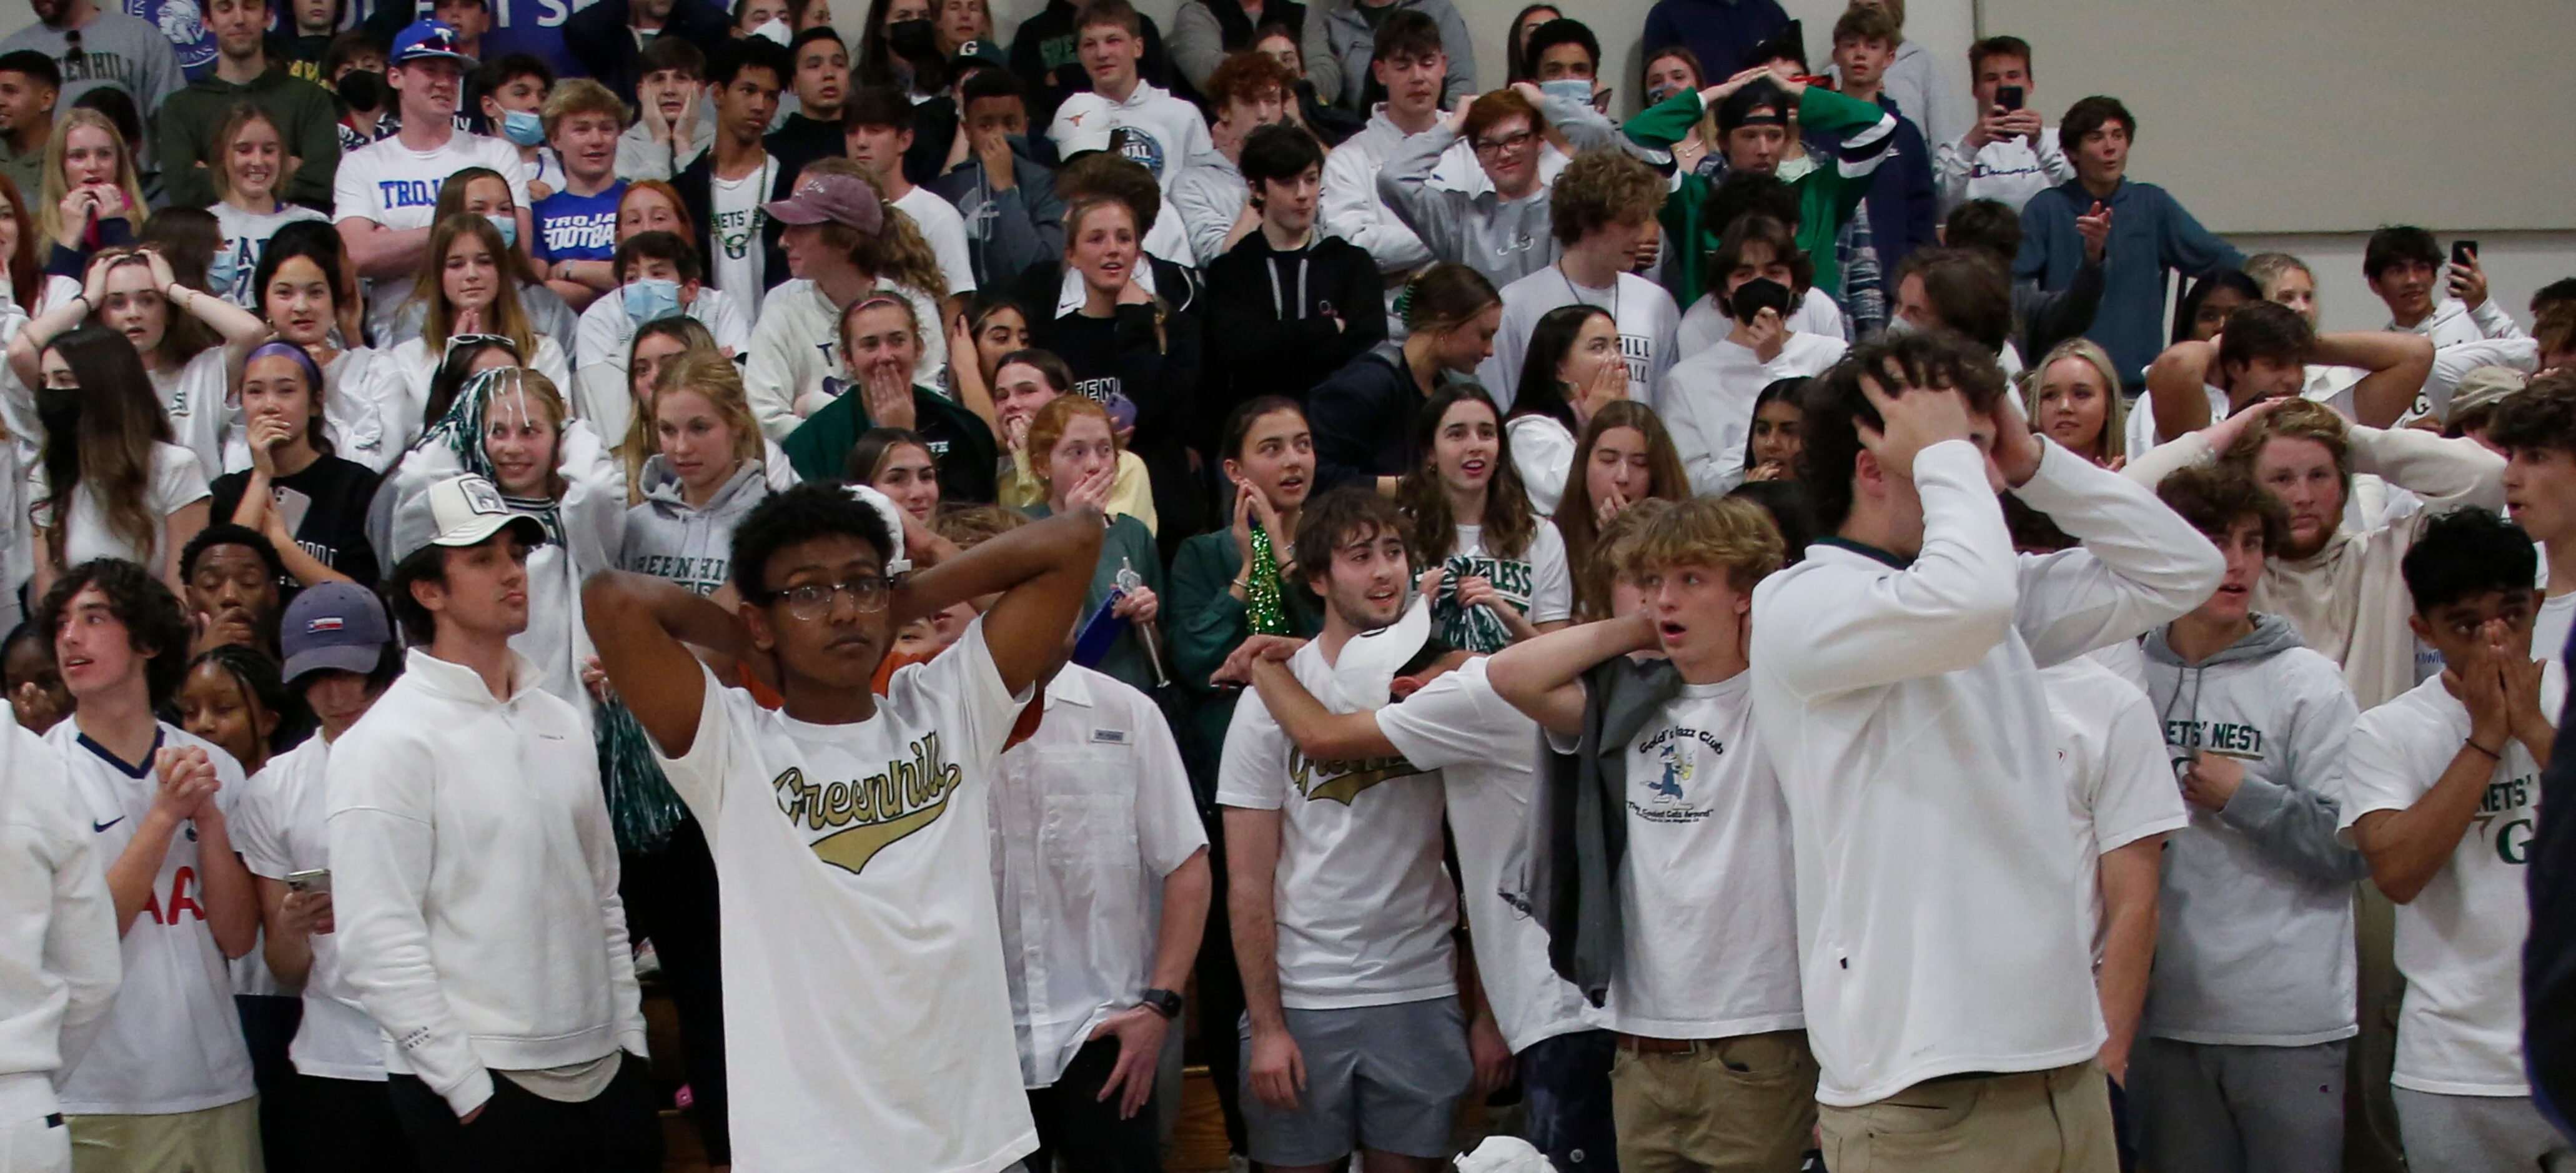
{"points": [[425, 39], [333, 625]]}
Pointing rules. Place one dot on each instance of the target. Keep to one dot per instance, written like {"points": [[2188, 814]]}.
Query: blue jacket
{"points": [[2151, 234], [1721, 33]]}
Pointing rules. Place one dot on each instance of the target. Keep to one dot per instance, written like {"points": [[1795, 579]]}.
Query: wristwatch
{"points": [[1163, 1002]]}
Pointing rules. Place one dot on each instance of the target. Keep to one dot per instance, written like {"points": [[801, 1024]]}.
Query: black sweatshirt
{"points": [[1280, 323], [1121, 356]]}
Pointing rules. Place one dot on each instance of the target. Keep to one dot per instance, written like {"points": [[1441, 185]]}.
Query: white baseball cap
{"points": [[462, 510], [1085, 123]]}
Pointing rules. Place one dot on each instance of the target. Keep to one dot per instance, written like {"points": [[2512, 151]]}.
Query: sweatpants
{"points": [[1078, 1133], [519, 1131], [2479, 1134], [2215, 1108]]}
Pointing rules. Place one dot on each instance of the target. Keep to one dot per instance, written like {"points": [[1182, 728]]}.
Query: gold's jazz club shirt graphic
{"points": [[1343, 781], [851, 820]]}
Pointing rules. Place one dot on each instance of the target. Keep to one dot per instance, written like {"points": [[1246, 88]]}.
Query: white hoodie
{"points": [[1939, 912], [59, 960], [1164, 133], [2349, 600], [475, 882]]}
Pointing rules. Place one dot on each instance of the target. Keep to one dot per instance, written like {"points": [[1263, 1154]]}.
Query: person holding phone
{"points": [[2009, 155], [1707, 399], [2447, 303], [340, 656]]}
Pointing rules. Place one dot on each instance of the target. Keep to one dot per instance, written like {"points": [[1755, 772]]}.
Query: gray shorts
{"points": [[2479, 1134], [1381, 1078]]}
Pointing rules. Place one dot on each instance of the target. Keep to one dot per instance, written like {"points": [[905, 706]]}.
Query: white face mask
{"points": [[776, 30], [1898, 327], [1793, 170]]}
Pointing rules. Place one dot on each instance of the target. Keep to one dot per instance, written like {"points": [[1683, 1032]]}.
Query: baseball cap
{"points": [[977, 53], [424, 39], [333, 625], [1083, 123], [462, 510], [832, 199], [2483, 388], [1366, 669]]}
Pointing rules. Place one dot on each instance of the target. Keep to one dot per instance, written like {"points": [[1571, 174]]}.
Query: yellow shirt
{"points": [[1130, 492]]}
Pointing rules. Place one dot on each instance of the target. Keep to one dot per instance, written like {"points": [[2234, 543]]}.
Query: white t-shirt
{"points": [[1487, 755], [1707, 893], [867, 1021], [2459, 942], [198, 397], [1643, 311], [246, 239], [740, 265], [2122, 782], [172, 1042], [1543, 451], [279, 827], [1707, 401], [2142, 433], [945, 230], [177, 480], [1537, 582], [2549, 628], [397, 187], [1363, 907]]}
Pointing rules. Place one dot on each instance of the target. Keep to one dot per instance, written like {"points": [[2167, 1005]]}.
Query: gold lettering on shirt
{"points": [[1342, 781], [875, 812]]}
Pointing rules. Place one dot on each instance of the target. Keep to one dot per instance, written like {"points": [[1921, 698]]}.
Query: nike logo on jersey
{"points": [[102, 827]]}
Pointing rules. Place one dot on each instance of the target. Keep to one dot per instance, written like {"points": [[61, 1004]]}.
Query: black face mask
{"points": [[362, 89], [56, 407], [1750, 298], [912, 39]]}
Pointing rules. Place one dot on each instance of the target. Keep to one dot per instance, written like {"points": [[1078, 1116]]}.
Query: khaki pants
{"points": [[2056, 1121], [211, 1140], [1746, 1103]]}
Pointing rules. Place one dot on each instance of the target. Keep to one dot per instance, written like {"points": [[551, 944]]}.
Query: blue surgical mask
{"points": [[222, 272], [523, 127], [509, 226], [650, 298], [1572, 89]]}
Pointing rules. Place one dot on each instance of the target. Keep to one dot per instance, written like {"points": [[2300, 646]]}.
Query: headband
{"points": [[312, 370]]}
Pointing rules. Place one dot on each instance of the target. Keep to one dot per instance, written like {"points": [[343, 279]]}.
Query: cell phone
{"points": [[309, 881], [2464, 252], [2008, 97]]}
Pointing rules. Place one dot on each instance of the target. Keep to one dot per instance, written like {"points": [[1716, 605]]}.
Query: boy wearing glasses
{"points": [[1502, 231], [867, 1013]]}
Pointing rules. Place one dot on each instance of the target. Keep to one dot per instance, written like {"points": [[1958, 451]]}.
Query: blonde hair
{"points": [[640, 441], [219, 166], [715, 377], [580, 95], [2295, 419], [2114, 440], [49, 214], [1722, 533], [1611, 547], [1050, 424], [507, 319]]}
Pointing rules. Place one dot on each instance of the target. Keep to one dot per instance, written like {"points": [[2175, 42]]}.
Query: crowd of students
{"points": [[1731, 637]]}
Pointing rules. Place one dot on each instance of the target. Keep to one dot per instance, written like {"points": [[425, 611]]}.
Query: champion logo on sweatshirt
{"points": [[863, 816]]}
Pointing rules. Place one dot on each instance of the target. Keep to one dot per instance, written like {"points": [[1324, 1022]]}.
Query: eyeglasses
{"points": [[1513, 143], [810, 601]]}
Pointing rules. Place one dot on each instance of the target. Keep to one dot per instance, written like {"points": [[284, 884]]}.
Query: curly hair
{"points": [[1837, 408], [1245, 77], [898, 251], [2297, 419], [155, 627], [1602, 187], [1722, 533], [798, 514], [2215, 498]]}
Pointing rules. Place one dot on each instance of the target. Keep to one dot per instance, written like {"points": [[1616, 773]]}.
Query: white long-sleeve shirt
{"points": [[2009, 170], [474, 881], [1939, 914], [59, 960]]}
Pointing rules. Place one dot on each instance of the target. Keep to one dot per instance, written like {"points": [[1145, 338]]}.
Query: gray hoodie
{"points": [[666, 537], [1339, 43], [2255, 945], [1505, 240]]}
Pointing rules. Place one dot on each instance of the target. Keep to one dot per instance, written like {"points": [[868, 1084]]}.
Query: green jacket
{"points": [[308, 126], [1826, 196], [1203, 622], [819, 448]]}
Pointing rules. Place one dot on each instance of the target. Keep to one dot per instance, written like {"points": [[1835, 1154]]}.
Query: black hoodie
{"points": [[1280, 323]]}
